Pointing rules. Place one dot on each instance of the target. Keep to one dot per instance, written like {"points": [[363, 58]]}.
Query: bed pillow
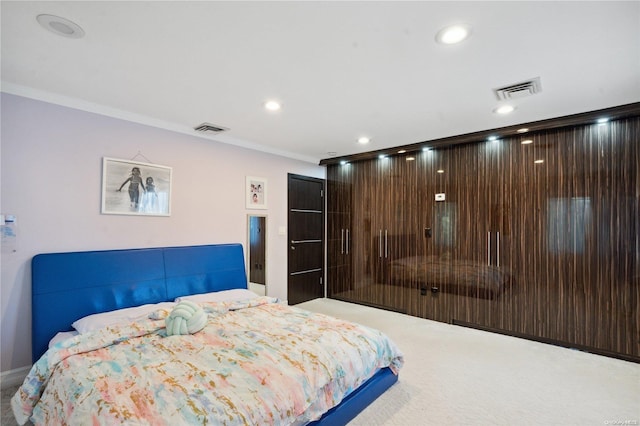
{"points": [[220, 296], [119, 316]]}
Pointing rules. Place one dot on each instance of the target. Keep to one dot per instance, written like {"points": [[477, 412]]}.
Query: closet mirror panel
{"points": [[257, 253]]}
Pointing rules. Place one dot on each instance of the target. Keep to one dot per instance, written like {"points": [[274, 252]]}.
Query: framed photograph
{"points": [[256, 190], [134, 188]]}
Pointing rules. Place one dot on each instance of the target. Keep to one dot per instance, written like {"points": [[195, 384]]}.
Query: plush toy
{"points": [[186, 318]]}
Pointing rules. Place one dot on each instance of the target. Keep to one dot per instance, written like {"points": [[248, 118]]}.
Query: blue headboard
{"points": [[69, 286]]}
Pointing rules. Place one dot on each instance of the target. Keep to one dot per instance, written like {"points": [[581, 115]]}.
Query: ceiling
{"points": [[341, 70]]}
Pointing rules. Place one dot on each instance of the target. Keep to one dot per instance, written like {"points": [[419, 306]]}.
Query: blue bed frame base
{"points": [[358, 400], [69, 286]]}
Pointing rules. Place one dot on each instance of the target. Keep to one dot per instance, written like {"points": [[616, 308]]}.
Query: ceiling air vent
{"points": [[208, 127], [519, 90]]}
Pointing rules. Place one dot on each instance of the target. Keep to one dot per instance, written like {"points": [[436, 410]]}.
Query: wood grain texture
{"points": [[559, 219]]}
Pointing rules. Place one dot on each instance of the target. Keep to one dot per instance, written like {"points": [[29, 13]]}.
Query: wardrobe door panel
{"points": [[592, 228], [573, 245], [479, 261], [366, 250], [394, 233], [402, 233], [439, 235], [339, 195]]}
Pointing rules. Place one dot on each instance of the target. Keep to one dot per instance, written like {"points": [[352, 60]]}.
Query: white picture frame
{"points": [[135, 188], [256, 192]]}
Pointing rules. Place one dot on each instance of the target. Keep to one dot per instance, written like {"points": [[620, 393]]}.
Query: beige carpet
{"points": [[460, 376]]}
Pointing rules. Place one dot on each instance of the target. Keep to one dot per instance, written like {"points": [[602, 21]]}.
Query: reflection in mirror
{"points": [[257, 253], [568, 222]]}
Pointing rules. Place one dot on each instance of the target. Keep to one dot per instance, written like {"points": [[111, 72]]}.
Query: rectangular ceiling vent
{"points": [[208, 127], [519, 90]]}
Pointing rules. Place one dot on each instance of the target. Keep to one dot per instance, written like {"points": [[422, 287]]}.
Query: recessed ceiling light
{"points": [[492, 138], [453, 34], [439, 171], [402, 151], [272, 106], [504, 109], [523, 130], [364, 140], [526, 142], [61, 26], [382, 156], [603, 120], [411, 158]]}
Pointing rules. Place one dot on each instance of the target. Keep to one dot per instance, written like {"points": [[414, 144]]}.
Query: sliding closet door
{"points": [[590, 216], [569, 237], [379, 231], [384, 203], [438, 214], [339, 230], [363, 214], [401, 231]]}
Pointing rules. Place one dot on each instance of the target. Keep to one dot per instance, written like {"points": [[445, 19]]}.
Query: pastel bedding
{"points": [[255, 362]]}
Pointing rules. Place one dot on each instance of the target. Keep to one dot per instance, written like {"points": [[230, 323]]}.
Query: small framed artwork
{"points": [[256, 190], [134, 188]]}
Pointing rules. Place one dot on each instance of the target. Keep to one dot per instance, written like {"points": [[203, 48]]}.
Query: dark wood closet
{"points": [[535, 235]]}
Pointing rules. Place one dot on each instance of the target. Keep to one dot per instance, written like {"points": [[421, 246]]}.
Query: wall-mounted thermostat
{"points": [[440, 197]]}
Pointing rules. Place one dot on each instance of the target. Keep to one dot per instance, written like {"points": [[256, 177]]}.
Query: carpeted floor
{"points": [[460, 376], [7, 418]]}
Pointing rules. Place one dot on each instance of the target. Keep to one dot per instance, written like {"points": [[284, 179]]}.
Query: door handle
{"points": [[341, 241], [488, 248], [347, 241], [498, 247], [386, 245]]}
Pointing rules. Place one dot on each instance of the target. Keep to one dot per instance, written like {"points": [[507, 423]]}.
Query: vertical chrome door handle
{"points": [[498, 246], [341, 241], [380, 245], [347, 241], [489, 248], [386, 246]]}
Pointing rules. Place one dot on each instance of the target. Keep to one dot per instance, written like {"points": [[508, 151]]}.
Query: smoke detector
{"points": [[209, 128], [519, 90]]}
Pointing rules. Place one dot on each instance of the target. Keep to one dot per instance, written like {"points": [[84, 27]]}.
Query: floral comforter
{"points": [[255, 362]]}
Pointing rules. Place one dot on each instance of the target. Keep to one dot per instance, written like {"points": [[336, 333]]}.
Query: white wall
{"points": [[51, 181]]}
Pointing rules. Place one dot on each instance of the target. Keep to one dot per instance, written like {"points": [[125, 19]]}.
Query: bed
{"points": [[255, 361], [454, 276]]}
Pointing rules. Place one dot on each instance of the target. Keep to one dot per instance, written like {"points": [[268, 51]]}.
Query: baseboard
{"points": [[568, 345], [13, 377]]}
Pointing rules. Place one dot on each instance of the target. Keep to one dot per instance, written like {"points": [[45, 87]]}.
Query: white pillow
{"points": [[61, 336], [220, 296], [119, 316]]}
